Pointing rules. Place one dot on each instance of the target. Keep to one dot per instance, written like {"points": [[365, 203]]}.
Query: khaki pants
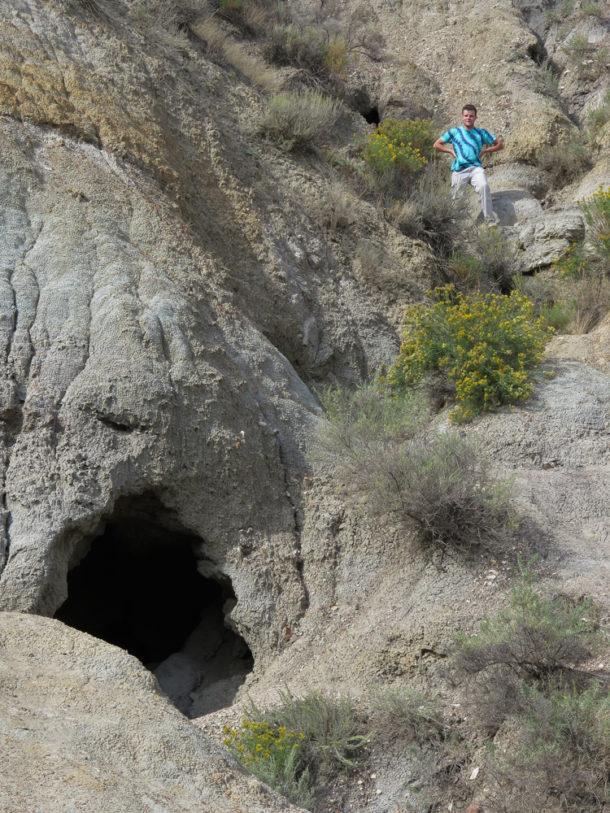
{"points": [[475, 176]]}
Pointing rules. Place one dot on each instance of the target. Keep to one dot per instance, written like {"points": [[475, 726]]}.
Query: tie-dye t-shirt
{"points": [[467, 145]]}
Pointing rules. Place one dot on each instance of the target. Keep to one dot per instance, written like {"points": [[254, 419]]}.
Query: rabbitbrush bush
{"points": [[394, 153], [486, 345], [301, 743], [272, 754], [402, 145], [333, 732]]}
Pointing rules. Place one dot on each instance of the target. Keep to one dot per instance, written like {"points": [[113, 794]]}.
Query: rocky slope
{"points": [[173, 289]]}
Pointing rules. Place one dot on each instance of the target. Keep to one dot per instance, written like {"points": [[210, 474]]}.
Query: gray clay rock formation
{"points": [[173, 289], [84, 727]]}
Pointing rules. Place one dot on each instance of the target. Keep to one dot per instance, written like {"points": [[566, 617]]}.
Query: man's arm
{"points": [[495, 146], [441, 146]]}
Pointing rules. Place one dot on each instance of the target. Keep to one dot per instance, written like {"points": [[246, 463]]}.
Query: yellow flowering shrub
{"points": [[271, 754], [398, 145], [485, 344]]}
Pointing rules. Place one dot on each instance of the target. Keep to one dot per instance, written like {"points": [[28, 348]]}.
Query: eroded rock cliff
{"points": [[172, 291]]}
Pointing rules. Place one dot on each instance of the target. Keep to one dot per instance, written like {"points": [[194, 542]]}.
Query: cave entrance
{"points": [[136, 585]]}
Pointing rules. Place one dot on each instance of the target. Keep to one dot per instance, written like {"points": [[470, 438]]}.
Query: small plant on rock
{"points": [[272, 754]]}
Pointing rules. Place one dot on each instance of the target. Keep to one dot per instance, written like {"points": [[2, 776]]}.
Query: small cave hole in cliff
{"points": [[138, 586], [371, 115]]}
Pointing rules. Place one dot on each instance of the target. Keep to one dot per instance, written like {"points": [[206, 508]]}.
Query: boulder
{"points": [[84, 726], [544, 239]]}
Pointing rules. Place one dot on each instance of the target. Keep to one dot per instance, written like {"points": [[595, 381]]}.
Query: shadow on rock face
{"points": [[138, 587]]}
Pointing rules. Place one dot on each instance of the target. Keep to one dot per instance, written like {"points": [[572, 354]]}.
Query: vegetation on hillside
{"points": [[541, 714], [536, 721], [393, 464], [486, 346]]}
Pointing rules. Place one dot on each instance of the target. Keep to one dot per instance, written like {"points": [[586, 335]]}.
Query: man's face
{"points": [[468, 118]]}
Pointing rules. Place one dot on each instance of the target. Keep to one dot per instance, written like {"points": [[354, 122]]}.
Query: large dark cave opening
{"points": [[137, 586]]}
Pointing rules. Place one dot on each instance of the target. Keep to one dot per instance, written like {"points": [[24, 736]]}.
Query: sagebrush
{"points": [[407, 474], [300, 120]]}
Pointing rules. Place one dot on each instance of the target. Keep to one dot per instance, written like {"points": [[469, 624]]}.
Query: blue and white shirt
{"points": [[467, 145]]}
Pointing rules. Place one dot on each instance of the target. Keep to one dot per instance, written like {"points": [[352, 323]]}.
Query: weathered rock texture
{"points": [[172, 290], [153, 321], [83, 727]]}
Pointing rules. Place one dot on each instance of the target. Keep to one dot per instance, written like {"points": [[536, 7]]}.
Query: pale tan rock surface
{"points": [[84, 727]]}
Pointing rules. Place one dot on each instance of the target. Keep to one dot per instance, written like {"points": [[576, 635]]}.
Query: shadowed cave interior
{"points": [[136, 585]]}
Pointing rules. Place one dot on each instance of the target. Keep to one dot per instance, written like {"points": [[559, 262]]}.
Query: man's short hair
{"points": [[469, 107]]}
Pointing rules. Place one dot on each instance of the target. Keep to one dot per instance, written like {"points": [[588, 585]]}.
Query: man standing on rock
{"points": [[467, 145]]}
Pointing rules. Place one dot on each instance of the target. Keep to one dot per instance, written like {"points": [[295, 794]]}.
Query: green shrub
{"points": [[574, 263], [551, 298], [536, 638], [407, 475], [592, 9], [485, 344], [401, 145], [300, 744], [465, 270], [536, 642], [586, 59], [596, 210], [560, 753], [299, 120], [598, 118], [335, 60], [486, 263], [584, 269], [307, 47], [74, 6], [272, 754], [525, 666], [405, 715], [498, 258], [395, 152], [577, 47], [331, 733], [560, 12], [559, 314], [548, 78], [590, 301], [574, 300]]}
